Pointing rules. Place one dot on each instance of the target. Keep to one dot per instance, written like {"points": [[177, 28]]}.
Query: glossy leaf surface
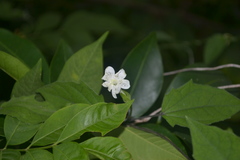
{"points": [[85, 65], [210, 142], [107, 148], [12, 66], [200, 102], [144, 70], [143, 145], [37, 154]]}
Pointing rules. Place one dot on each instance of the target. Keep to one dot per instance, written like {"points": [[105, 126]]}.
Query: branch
{"points": [[229, 86], [147, 118], [202, 69]]}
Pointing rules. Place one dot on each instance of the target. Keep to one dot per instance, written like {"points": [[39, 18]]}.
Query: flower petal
{"points": [[114, 94], [121, 74], [109, 72], [125, 84], [105, 84]]}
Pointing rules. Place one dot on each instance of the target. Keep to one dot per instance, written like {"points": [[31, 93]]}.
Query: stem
{"points": [[147, 118], [202, 69], [229, 86]]}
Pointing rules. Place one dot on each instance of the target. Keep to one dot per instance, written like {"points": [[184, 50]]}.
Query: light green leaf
{"points": [[23, 50], [17, 132], [12, 66], [107, 148], [62, 54], [215, 46], [27, 109], [9, 155], [85, 65], [62, 93], [28, 84], [143, 145], [210, 142], [37, 155], [53, 126], [69, 151], [100, 117], [144, 69], [200, 102]]}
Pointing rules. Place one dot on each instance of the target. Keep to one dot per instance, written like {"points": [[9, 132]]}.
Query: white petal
{"points": [[125, 84], [109, 72], [105, 84], [114, 94], [117, 89], [121, 74]]}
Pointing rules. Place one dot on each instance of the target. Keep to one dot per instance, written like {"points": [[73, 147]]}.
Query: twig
{"points": [[229, 86], [147, 118], [202, 69]]}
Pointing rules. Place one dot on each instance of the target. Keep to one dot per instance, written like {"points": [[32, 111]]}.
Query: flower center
{"points": [[114, 82]]}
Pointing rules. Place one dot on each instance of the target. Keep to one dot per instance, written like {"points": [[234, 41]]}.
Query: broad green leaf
{"points": [[143, 145], [100, 117], [85, 65], [69, 151], [37, 154], [144, 69], [214, 47], [9, 155], [53, 126], [62, 54], [63, 93], [200, 102], [213, 78], [28, 84], [12, 66], [27, 109], [2, 126], [107, 148], [17, 132], [210, 142], [165, 132], [23, 50]]}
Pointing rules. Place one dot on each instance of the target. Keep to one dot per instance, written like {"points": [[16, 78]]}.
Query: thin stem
{"points": [[229, 86], [202, 69], [147, 118]]}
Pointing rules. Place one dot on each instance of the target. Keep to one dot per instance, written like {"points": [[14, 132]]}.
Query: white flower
{"points": [[115, 82]]}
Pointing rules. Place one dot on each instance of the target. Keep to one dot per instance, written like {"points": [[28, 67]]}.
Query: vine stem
{"points": [[202, 69]]}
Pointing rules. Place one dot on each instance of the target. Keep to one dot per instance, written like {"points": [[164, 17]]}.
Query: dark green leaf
{"points": [[62, 54], [53, 126], [18, 132], [9, 155], [23, 50], [86, 65], [62, 93], [210, 142], [214, 47], [27, 109], [107, 148], [144, 68], [100, 117], [143, 145], [28, 84], [69, 151], [12, 66], [37, 155], [200, 102]]}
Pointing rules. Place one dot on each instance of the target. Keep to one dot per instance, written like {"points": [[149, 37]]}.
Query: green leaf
{"points": [[200, 102], [213, 78], [2, 126], [12, 66], [53, 126], [210, 142], [143, 145], [165, 132], [143, 66], [100, 117], [18, 132], [27, 109], [23, 50], [9, 155], [69, 151], [215, 46], [107, 148], [37, 155], [62, 54], [28, 84], [62, 93], [85, 65]]}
